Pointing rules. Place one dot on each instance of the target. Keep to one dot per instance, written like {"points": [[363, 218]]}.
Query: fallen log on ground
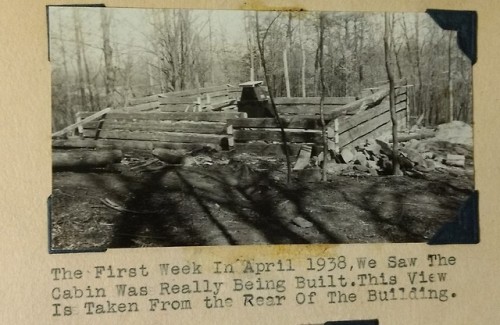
{"points": [[172, 157], [423, 134], [84, 159]]}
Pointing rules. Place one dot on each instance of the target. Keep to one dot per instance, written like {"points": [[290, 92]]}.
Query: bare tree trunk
{"points": [[109, 80], [260, 45], [450, 79], [408, 45], [303, 67], [322, 98], [81, 85], [390, 76], [87, 72], [360, 55], [285, 69], [422, 106], [67, 84], [211, 57], [250, 45], [150, 80], [395, 51], [285, 54], [252, 63]]}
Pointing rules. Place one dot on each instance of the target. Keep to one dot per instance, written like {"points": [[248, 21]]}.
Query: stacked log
{"points": [[84, 159]]}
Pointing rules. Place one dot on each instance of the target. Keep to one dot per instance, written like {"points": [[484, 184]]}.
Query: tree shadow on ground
{"points": [[396, 215], [184, 207], [153, 217], [256, 200], [235, 205]]}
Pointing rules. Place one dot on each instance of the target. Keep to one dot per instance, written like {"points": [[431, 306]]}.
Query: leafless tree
{"points": [[323, 90], [260, 44], [390, 76], [109, 72]]}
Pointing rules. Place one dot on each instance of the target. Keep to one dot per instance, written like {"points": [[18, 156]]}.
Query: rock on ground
{"points": [[455, 132]]}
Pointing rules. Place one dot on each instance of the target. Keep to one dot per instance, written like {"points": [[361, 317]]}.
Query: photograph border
{"points": [[27, 280]]}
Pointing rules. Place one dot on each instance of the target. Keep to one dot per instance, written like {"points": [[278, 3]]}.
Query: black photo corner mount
{"points": [[353, 322], [63, 251], [464, 229], [95, 5], [465, 23]]}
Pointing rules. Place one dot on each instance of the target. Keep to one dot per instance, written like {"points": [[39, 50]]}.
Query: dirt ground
{"points": [[239, 201]]}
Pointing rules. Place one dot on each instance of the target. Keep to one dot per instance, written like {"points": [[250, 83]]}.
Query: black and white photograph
{"points": [[175, 127]]}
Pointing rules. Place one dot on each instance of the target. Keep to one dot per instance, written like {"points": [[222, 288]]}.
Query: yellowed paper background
{"points": [[25, 178]]}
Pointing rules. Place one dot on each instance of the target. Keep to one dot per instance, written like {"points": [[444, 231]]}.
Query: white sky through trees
{"points": [[148, 59]]}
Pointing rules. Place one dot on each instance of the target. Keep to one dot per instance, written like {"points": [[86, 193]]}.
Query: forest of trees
{"points": [[103, 57]]}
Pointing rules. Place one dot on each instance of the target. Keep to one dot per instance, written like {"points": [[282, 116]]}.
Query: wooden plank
{"points": [[295, 122], [174, 116], [348, 122], [79, 129], [178, 107], [235, 93], [156, 136], [265, 149], [306, 109], [221, 104], [143, 100], [304, 158], [313, 100], [363, 129], [186, 146], [198, 91], [178, 100], [399, 91], [367, 128], [383, 129], [297, 136], [217, 94], [230, 108], [143, 107], [366, 102], [274, 149], [162, 126], [401, 98], [87, 119]]}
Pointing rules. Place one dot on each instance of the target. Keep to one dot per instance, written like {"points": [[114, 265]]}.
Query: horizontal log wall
{"points": [[274, 135], [183, 101], [160, 126], [172, 116], [303, 126], [155, 136], [197, 100], [295, 122], [274, 149], [124, 129], [128, 144], [142, 130], [313, 100], [309, 105], [262, 136]]}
